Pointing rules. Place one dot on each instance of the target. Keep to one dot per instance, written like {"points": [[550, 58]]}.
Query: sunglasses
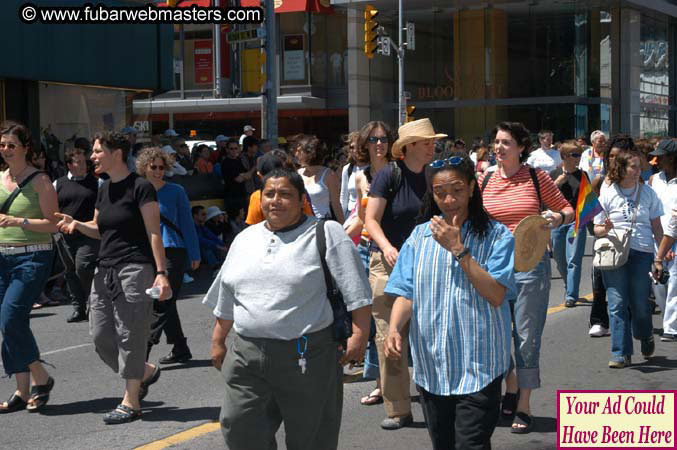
{"points": [[9, 146], [154, 167], [575, 155], [453, 161], [377, 139]]}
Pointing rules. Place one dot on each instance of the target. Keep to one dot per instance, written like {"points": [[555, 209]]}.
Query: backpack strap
{"points": [[15, 193], [485, 181], [395, 180], [171, 225], [534, 179], [321, 241]]}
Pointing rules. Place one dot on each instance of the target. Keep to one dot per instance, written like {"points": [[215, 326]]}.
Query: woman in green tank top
{"points": [[25, 263]]}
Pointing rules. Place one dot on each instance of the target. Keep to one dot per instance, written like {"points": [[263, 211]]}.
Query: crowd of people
{"points": [[418, 234]]}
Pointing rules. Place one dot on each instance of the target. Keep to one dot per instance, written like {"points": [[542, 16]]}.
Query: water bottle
{"points": [[154, 292]]}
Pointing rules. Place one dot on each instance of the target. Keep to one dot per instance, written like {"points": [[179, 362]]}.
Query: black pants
{"points": [[462, 422], [79, 266], [598, 313], [165, 314]]}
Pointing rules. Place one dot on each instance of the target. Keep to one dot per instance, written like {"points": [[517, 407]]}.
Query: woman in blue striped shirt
{"points": [[451, 278]]}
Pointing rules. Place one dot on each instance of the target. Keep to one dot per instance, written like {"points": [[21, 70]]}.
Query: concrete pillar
{"points": [[358, 72], [626, 66]]}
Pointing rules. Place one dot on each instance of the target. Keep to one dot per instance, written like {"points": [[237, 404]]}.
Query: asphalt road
{"points": [[180, 407]]}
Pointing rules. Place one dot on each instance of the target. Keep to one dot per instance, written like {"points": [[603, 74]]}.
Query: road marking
{"points": [[207, 428], [184, 436], [62, 350], [558, 308]]}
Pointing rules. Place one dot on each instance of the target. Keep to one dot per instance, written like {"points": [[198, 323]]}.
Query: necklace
{"points": [[14, 177]]}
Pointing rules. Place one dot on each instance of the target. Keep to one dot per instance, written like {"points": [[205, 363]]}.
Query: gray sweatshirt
{"points": [[272, 285]]}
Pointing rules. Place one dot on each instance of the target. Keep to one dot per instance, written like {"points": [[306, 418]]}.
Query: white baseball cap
{"points": [[249, 128]]}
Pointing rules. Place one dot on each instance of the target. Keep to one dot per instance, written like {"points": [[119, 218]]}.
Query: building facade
{"points": [[312, 76], [571, 67]]}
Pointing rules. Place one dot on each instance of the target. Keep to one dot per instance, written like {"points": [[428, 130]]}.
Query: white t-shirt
{"points": [[619, 204], [348, 189], [591, 165], [547, 160]]}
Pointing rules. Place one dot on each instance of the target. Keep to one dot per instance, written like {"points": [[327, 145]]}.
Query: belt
{"points": [[21, 249]]}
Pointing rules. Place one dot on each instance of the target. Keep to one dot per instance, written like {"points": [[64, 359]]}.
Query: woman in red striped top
{"points": [[510, 195]]}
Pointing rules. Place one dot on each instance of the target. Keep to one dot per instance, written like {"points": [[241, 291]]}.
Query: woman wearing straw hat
{"points": [[395, 198], [512, 193]]}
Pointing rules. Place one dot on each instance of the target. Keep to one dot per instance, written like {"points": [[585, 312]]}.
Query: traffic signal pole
{"points": [[402, 104], [269, 96]]}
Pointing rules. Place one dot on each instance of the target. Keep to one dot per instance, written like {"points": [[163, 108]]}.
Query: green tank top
{"points": [[26, 204]]}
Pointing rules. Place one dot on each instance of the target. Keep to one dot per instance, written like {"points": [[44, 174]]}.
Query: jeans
{"points": [[371, 369], [568, 253], [628, 297], [22, 279], [529, 311]]}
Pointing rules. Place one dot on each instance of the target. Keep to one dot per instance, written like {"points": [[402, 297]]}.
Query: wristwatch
{"points": [[461, 255], [25, 223], [161, 272]]}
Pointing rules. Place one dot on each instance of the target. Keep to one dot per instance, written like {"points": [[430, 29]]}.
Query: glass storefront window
{"points": [[654, 79], [69, 111]]}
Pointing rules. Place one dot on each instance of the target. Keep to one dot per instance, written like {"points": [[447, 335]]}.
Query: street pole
{"points": [[217, 55], [270, 94], [400, 59]]}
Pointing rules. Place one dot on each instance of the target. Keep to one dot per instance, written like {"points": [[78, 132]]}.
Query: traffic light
{"points": [[410, 112], [370, 33]]}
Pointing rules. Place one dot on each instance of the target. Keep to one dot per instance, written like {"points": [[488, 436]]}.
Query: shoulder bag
{"points": [[611, 251]]}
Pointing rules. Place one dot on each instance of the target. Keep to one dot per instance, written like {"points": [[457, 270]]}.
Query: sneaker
{"points": [[187, 279], [570, 303], [598, 330], [395, 423], [669, 337], [648, 347], [77, 316], [619, 362]]}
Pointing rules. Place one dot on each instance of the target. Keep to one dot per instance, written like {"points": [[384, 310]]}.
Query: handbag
{"points": [[611, 251], [342, 327]]}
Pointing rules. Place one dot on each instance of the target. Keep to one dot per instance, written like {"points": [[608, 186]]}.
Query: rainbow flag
{"points": [[587, 205]]}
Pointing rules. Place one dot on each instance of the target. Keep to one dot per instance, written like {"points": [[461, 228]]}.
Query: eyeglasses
{"points": [[453, 161], [154, 167], [575, 155], [9, 146], [377, 139]]}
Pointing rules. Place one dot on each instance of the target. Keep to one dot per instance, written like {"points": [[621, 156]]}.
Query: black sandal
{"points": [[524, 419], [121, 414], [15, 403], [143, 390], [40, 396], [509, 403]]}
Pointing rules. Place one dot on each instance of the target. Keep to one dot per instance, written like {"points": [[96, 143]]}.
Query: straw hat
{"points": [[411, 132], [530, 242]]}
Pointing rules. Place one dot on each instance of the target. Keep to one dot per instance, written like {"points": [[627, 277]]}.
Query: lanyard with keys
{"points": [[302, 359]]}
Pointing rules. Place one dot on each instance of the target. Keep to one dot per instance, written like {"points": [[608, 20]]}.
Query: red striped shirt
{"points": [[509, 200]]}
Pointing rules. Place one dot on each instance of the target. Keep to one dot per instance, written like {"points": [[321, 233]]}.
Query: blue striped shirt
{"points": [[459, 342]]}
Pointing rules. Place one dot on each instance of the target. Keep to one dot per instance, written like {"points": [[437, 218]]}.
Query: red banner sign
{"points": [[204, 65]]}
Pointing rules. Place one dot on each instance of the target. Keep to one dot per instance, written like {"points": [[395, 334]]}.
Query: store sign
{"points": [[294, 58], [435, 92], [204, 65]]}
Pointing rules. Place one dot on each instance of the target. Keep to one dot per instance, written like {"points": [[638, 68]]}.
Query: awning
{"points": [[211, 105], [283, 6]]}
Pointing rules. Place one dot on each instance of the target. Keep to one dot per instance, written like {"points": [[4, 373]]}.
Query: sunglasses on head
{"points": [[154, 167], [575, 155], [453, 161], [377, 139]]}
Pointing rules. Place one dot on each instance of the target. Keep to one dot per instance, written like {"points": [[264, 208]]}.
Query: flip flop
{"points": [[372, 399], [524, 419], [40, 396]]}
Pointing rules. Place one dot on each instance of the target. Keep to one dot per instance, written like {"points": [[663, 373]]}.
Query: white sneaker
{"points": [[187, 278], [598, 331]]}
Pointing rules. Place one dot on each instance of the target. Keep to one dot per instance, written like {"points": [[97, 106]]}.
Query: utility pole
{"points": [[218, 90], [269, 97], [402, 109]]}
